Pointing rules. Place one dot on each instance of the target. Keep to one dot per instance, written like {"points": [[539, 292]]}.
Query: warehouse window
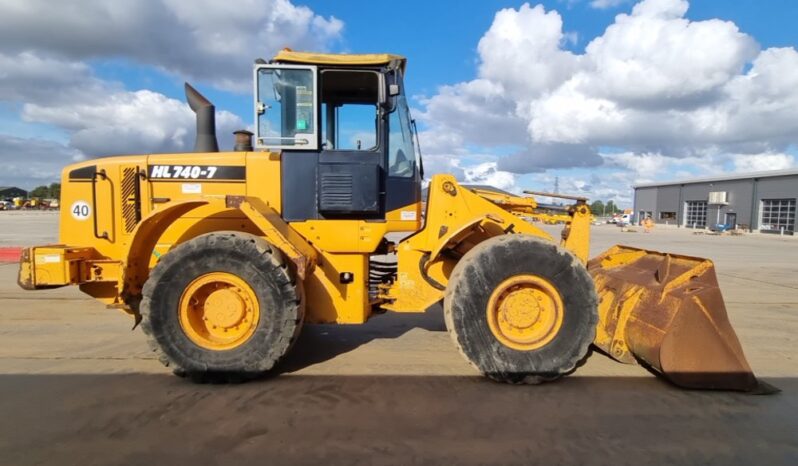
{"points": [[778, 215], [667, 215], [695, 214]]}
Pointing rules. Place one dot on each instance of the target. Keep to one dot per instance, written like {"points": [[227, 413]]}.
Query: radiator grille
{"points": [[129, 198]]}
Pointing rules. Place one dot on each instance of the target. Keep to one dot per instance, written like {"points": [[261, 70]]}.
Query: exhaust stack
{"points": [[243, 140], [206, 120]]}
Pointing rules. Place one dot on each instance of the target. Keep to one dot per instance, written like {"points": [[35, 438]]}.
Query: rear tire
{"points": [[270, 316], [512, 265]]}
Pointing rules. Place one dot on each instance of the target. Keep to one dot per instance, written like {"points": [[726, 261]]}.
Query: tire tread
{"points": [[288, 327]]}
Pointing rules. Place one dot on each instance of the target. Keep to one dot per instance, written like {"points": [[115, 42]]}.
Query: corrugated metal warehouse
{"points": [[761, 201]]}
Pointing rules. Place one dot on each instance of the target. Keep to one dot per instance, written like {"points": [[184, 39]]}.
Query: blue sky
{"points": [[600, 118]]}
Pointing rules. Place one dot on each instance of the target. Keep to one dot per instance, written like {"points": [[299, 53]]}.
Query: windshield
{"points": [[401, 151]]}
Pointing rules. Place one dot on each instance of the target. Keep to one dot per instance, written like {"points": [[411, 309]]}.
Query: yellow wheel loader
{"points": [[222, 256]]}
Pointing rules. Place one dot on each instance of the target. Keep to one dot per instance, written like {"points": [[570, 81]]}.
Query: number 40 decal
{"points": [[80, 210]]}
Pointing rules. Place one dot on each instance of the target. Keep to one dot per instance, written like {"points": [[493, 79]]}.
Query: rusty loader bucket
{"points": [[666, 311]]}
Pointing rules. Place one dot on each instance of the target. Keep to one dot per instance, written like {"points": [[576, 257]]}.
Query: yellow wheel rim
{"points": [[525, 312], [219, 311]]}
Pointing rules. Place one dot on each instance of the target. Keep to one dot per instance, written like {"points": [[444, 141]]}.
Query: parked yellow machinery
{"points": [[554, 219], [528, 208], [519, 205], [222, 256]]}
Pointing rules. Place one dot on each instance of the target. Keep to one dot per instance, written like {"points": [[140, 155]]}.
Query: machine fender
{"points": [[144, 237], [486, 225], [150, 229]]}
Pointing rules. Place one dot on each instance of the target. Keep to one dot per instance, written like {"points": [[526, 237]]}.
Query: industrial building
{"points": [[761, 201]]}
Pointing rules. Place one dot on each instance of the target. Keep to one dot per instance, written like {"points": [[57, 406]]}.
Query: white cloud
{"points": [[762, 162], [526, 61], [487, 173], [100, 117], [606, 4], [673, 95], [476, 169], [129, 122], [46, 50], [479, 110], [28, 76], [653, 79], [647, 167], [31, 162], [655, 58], [202, 40]]}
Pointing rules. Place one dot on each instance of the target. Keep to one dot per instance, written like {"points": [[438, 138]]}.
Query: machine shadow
{"points": [[297, 419], [321, 342]]}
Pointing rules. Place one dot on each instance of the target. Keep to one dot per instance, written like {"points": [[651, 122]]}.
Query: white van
{"points": [[625, 219]]}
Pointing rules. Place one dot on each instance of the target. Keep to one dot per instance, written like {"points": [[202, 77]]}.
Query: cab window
{"points": [[285, 107], [349, 110]]}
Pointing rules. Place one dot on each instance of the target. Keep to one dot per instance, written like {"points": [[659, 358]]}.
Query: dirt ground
{"points": [[78, 387]]}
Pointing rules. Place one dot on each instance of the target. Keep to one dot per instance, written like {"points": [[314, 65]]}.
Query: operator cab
{"points": [[343, 126]]}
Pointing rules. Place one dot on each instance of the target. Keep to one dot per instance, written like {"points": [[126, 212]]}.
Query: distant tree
{"points": [[55, 191], [612, 208], [40, 192], [597, 208]]}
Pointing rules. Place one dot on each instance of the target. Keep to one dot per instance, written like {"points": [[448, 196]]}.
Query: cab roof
{"points": [[340, 59]]}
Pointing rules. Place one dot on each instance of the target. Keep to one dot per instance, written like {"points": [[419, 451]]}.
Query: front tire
{"points": [[221, 307], [521, 309]]}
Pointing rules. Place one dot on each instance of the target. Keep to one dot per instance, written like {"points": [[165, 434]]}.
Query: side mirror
{"points": [[388, 103]]}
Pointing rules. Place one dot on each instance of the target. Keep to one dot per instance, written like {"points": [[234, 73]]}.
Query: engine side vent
{"points": [[129, 200], [336, 192], [348, 188]]}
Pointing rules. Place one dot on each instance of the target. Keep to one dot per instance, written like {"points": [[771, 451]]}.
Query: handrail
{"points": [[101, 174], [140, 175]]}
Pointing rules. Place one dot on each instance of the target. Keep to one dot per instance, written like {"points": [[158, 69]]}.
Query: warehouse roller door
{"points": [[695, 214], [778, 216]]}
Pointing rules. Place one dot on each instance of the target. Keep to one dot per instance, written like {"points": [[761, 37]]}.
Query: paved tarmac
{"points": [[78, 387]]}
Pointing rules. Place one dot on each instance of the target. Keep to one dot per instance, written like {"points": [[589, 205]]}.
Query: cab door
{"points": [[351, 172], [287, 121]]}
